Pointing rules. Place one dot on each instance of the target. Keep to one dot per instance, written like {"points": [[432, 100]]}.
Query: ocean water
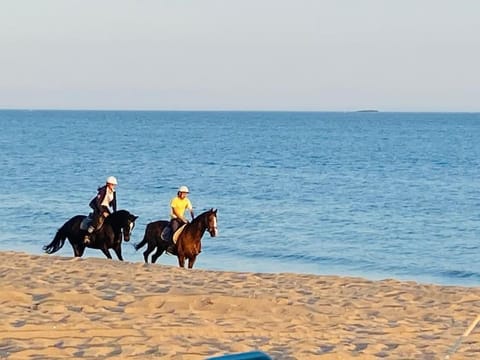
{"points": [[376, 195]]}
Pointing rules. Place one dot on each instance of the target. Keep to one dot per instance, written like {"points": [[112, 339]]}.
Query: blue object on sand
{"points": [[250, 355]]}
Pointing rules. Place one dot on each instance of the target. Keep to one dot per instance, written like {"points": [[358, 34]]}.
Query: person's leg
{"points": [[96, 222], [174, 225]]}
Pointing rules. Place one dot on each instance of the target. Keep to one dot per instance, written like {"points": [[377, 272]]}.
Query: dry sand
{"points": [[59, 307]]}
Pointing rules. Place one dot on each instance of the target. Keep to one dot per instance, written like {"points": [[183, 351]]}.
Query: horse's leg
{"points": [[118, 251], [78, 248], [160, 250], [150, 248], [191, 261], [76, 251], [106, 252], [181, 260]]}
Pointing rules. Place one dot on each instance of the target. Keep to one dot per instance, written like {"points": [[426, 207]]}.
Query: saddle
{"points": [[166, 234], [88, 221]]}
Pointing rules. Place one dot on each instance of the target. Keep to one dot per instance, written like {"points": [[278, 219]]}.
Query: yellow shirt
{"points": [[180, 205]]}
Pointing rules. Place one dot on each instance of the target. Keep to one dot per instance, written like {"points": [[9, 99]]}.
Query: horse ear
{"points": [[214, 211]]}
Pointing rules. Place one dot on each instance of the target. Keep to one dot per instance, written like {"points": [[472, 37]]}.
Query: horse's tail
{"points": [[57, 241], [145, 237], [141, 243]]}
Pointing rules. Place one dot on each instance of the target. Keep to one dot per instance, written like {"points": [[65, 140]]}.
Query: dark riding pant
{"points": [[175, 224], [98, 219]]}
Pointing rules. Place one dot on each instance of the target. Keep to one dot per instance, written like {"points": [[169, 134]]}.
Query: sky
{"points": [[292, 55]]}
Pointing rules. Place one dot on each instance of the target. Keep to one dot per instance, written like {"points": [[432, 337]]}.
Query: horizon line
{"points": [[371, 111]]}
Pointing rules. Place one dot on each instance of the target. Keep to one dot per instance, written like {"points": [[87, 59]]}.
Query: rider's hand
{"points": [[105, 214]]}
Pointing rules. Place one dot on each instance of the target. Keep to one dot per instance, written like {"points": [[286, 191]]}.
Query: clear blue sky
{"points": [[391, 55]]}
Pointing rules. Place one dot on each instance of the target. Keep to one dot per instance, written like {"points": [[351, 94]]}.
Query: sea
{"points": [[378, 195]]}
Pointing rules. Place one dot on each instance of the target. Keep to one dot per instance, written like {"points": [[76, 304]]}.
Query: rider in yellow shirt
{"points": [[178, 205]]}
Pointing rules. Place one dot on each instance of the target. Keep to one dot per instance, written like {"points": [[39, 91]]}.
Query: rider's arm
{"points": [[190, 208], [114, 202], [179, 216]]}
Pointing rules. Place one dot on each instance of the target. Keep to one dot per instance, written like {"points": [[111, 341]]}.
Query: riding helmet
{"points": [[112, 180]]}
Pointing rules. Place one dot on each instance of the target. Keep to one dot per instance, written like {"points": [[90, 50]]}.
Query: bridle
{"points": [[130, 227], [212, 228]]}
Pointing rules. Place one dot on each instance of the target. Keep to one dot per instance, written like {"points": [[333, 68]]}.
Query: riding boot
{"points": [[171, 249], [94, 225], [86, 239], [171, 245]]}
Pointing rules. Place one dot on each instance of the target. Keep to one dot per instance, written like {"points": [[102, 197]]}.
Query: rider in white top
{"points": [[105, 199]]}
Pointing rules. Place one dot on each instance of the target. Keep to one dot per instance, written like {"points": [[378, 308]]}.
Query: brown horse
{"points": [[188, 245]]}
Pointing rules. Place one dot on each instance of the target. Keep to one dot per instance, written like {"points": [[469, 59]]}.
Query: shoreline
{"points": [[62, 307]]}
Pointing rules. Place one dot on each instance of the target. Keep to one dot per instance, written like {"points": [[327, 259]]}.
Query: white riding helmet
{"points": [[112, 180], [183, 189]]}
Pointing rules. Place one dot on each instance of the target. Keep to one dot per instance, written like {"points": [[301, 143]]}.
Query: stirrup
{"points": [[86, 240]]}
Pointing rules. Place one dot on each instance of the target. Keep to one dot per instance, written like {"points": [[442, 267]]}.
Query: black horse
{"points": [[188, 245], [109, 236]]}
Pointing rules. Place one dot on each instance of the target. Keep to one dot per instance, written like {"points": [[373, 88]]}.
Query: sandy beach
{"points": [[55, 307]]}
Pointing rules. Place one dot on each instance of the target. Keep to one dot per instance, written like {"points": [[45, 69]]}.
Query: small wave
{"points": [[461, 274], [275, 256]]}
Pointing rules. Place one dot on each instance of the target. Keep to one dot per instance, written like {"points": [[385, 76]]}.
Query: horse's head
{"points": [[212, 222], [123, 222], [129, 226]]}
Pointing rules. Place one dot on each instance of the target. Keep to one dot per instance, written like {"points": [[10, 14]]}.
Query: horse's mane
{"points": [[121, 213], [117, 216], [202, 215]]}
